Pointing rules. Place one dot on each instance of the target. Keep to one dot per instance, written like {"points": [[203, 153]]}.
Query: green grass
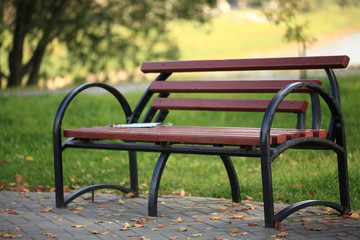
{"points": [[26, 131]]}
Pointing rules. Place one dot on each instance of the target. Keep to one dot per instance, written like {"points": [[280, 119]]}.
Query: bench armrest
{"points": [[333, 106], [70, 96], [285, 63]]}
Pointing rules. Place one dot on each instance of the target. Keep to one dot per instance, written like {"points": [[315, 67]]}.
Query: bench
{"points": [[264, 142]]}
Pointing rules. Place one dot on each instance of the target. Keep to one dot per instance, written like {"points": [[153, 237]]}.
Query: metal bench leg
{"points": [[234, 183], [267, 192], [59, 188], [155, 182], [344, 182], [134, 184]]}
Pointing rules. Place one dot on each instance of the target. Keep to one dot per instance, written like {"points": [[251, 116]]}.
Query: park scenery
{"points": [[49, 47]]}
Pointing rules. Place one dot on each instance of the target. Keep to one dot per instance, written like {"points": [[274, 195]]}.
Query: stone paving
{"points": [[111, 216]]}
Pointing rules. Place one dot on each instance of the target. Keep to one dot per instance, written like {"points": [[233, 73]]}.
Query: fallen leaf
{"points": [[49, 235], [235, 230], [214, 218], [354, 215], [280, 235], [160, 226], [173, 238], [182, 229], [248, 198], [238, 217], [306, 219], [252, 224], [308, 228], [126, 227], [341, 234], [236, 204], [131, 194], [19, 178], [29, 158], [77, 208], [245, 233], [178, 220], [198, 220], [134, 235], [48, 209], [77, 226], [197, 235]]}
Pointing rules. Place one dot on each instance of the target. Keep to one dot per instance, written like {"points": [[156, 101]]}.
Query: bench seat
{"points": [[192, 134]]}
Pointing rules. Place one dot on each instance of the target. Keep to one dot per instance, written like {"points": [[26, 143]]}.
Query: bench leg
{"points": [[134, 185], [155, 182], [59, 188], [267, 192], [344, 182], [234, 183]]}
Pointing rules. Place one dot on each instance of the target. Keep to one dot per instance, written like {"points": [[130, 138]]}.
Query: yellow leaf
{"points": [[77, 226], [29, 158], [214, 218], [178, 220], [197, 235], [235, 230], [72, 179], [238, 217], [88, 175], [354, 215]]}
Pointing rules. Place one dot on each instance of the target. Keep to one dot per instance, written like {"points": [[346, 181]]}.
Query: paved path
{"points": [[33, 216]]}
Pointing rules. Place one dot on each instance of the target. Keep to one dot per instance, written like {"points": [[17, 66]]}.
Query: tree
{"points": [[285, 12], [96, 33]]}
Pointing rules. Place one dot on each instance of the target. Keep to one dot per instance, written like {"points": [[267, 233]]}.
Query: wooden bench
{"points": [[264, 142]]}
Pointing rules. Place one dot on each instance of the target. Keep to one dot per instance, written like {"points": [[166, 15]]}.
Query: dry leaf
{"points": [[280, 235], [308, 228], [29, 158], [126, 227], [235, 230], [77, 208], [306, 219], [18, 178], [341, 234], [354, 215], [198, 220], [160, 226], [149, 217], [135, 235], [245, 233], [252, 224], [178, 220], [236, 204], [131, 194], [238, 217], [77, 226], [182, 229], [197, 235], [173, 238], [214, 218]]}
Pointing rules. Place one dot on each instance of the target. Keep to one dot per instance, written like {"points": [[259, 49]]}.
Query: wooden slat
{"points": [[285, 63], [189, 134], [197, 135], [264, 86], [245, 105]]}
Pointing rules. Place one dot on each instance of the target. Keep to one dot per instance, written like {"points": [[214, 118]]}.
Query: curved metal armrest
{"points": [[332, 103], [70, 96]]}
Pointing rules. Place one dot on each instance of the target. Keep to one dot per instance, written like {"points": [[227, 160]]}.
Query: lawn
{"points": [[26, 152]]}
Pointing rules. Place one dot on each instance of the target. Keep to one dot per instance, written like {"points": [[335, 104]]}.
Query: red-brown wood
{"points": [[244, 105], [187, 134], [286, 63], [264, 86]]}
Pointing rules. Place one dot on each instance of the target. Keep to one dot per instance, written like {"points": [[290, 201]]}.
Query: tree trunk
{"points": [[23, 17]]}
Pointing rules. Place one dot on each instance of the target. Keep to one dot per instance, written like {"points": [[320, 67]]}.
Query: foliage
{"points": [[93, 32], [285, 12]]}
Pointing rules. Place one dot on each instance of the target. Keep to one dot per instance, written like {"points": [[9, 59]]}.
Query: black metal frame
{"points": [[335, 141]]}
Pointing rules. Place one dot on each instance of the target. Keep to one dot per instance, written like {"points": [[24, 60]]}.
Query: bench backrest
{"points": [[164, 103]]}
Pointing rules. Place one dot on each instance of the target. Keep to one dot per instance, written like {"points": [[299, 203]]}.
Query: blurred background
{"points": [[58, 43]]}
